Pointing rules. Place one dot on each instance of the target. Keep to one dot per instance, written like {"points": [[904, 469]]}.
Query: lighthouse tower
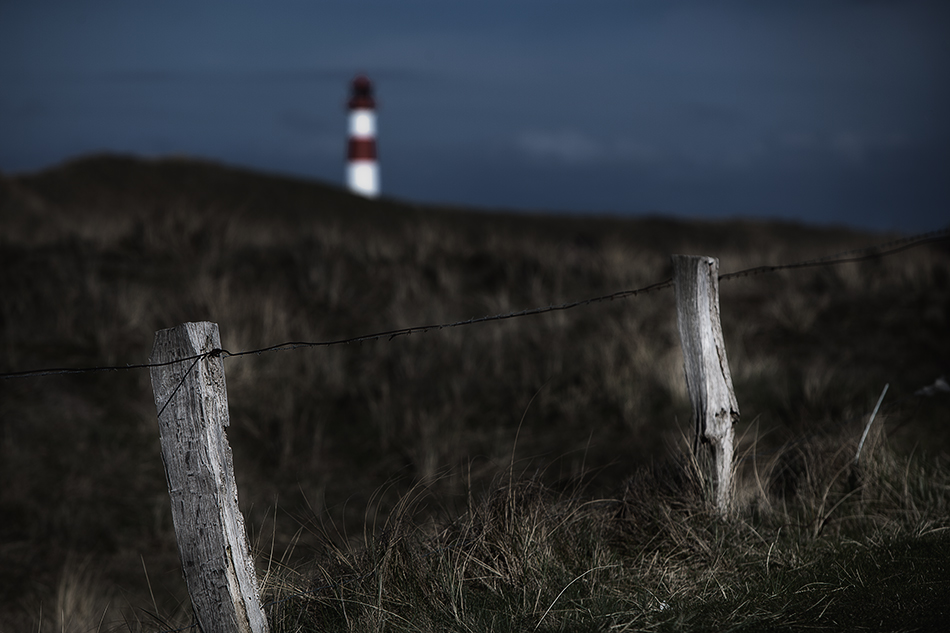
{"points": [[362, 169]]}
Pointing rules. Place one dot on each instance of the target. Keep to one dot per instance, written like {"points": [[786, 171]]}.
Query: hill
{"points": [[99, 253]]}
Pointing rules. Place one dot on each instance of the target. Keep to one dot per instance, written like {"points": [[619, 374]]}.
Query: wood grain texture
{"points": [[708, 379], [191, 398]]}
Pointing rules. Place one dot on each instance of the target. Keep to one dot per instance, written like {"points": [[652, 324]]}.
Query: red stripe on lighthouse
{"points": [[362, 149]]}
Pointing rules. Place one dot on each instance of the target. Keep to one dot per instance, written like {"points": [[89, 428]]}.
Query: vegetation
{"points": [[830, 555], [519, 475]]}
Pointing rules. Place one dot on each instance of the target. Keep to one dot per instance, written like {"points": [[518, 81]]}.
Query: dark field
{"points": [[357, 459]]}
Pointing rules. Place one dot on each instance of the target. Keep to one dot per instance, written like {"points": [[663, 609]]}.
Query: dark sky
{"points": [[829, 111]]}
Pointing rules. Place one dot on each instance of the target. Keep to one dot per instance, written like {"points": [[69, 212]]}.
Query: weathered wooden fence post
{"points": [[192, 401], [715, 409]]}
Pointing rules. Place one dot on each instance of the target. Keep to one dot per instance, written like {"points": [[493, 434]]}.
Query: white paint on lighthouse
{"points": [[362, 124], [362, 169], [363, 177]]}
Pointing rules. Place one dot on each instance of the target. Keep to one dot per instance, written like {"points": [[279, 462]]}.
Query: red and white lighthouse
{"points": [[362, 168]]}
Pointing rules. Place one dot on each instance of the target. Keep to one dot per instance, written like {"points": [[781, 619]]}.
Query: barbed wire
{"points": [[869, 252], [387, 334], [846, 257], [422, 329], [57, 371]]}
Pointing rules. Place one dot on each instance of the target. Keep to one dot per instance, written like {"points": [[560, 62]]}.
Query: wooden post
{"points": [[715, 409], [192, 401]]}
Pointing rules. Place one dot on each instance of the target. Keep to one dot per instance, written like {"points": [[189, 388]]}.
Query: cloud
{"points": [[565, 146], [845, 145], [571, 147], [855, 147]]}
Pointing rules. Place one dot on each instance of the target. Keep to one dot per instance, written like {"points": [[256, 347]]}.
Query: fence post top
{"points": [[192, 331], [708, 258], [191, 325]]}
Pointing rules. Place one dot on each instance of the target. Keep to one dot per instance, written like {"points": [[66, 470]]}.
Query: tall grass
{"points": [[861, 547], [97, 255]]}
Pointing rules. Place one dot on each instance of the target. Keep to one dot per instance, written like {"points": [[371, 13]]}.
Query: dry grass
{"points": [[864, 547], [98, 255]]}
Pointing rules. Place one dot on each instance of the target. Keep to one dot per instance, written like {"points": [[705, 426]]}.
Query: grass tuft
{"points": [[818, 552]]}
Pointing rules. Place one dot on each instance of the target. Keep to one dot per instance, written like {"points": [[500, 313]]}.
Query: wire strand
{"points": [[35, 373], [869, 252], [421, 329], [388, 334], [845, 257]]}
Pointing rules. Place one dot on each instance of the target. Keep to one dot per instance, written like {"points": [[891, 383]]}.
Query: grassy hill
{"points": [[355, 462]]}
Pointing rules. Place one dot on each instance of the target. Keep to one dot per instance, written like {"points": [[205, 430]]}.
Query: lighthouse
{"points": [[362, 169]]}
